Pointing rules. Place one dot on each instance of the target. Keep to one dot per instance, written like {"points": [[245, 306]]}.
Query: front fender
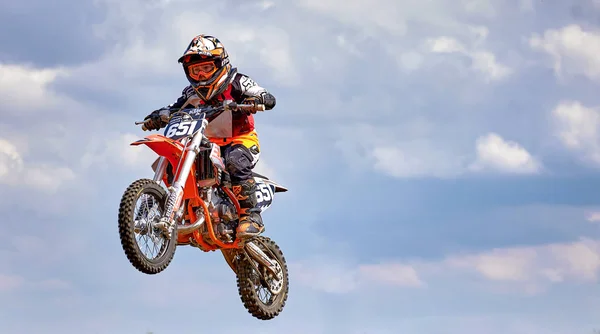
{"points": [[172, 150]]}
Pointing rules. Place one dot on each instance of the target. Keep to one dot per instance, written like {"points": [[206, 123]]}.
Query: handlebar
{"points": [[233, 106]]}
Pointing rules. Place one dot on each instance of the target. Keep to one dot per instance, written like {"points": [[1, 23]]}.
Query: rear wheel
{"points": [[264, 295], [141, 206]]}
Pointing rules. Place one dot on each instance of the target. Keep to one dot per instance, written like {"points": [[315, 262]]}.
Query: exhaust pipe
{"points": [[189, 228]]}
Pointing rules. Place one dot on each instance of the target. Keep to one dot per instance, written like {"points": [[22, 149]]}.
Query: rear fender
{"points": [[172, 150]]}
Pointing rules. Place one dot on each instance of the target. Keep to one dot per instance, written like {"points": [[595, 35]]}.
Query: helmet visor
{"points": [[201, 71]]}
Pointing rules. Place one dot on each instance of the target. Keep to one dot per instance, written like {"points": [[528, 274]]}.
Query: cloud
{"points": [[535, 267], [572, 49], [114, 150], [13, 170], [10, 159], [411, 123], [260, 44], [415, 159], [395, 17], [382, 14], [495, 153], [387, 23], [422, 156], [26, 86], [518, 269], [578, 129], [483, 62], [593, 217], [391, 274], [336, 276]]}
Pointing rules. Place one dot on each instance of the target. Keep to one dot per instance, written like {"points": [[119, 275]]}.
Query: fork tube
{"points": [[176, 193], [191, 151], [160, 169]]}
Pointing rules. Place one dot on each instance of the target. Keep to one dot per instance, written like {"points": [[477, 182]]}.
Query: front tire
{"points": [[131, 222], [249, 282]]}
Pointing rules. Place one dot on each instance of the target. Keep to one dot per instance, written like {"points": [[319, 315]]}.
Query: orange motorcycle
{"points": [[197, 207]]}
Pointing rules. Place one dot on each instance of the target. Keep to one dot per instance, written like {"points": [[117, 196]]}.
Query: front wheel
{"points": [[141, 206], [263, 294]]}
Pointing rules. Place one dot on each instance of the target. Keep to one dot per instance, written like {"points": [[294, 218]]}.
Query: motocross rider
{"points": [[212, 80]]}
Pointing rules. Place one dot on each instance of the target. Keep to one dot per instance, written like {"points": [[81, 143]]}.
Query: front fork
{"points": [[161, 168], [166, 222]]}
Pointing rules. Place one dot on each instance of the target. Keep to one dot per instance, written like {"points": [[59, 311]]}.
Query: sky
{"points": [[441, 156]]}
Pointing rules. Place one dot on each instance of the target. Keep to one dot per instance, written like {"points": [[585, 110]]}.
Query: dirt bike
{"points": [[198, 208]]}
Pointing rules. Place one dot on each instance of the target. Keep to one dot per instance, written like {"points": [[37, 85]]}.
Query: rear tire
{"points": [[247, 279], [127, 234]]}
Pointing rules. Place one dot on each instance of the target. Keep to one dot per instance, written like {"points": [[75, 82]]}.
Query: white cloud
{"points": [[10, 159], [393, 274], [528, 269], [413, 154], [445, 44], [392, 16], [378, 14], [415, 160], [257, 43], [498, 265], [386, 21], [267, 45], [495, 153], [264, 5], [593, 217], [14, 171], [483, 62], [26, 86], [573, 50], [535, 265], [46, 177], [336, 276], [114, 150], [422, 153], [578, 129], [350, 46], [330, 277]]}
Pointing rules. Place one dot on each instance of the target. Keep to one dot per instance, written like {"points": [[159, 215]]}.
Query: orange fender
{"points": [[172, 150]]}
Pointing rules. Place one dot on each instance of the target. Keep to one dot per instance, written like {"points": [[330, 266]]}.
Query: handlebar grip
{"points": [[247, 107]]}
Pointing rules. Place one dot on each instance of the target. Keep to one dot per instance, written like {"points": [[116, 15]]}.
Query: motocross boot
{"points": [[250, 223]]}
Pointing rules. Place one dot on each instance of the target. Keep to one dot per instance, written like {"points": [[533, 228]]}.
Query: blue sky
{"points": [[442, 159]]}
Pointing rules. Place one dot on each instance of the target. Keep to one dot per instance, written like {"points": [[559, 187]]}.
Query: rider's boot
{"points": [[250, 224]]}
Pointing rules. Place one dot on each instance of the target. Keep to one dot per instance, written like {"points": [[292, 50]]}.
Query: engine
{"points": [[223, 216]]}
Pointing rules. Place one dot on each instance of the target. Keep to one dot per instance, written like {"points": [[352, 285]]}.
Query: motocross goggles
{"points": [[199, 70]]}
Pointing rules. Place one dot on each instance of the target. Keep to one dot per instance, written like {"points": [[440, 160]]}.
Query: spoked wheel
{"points": [[264, 295], [146, 248]]}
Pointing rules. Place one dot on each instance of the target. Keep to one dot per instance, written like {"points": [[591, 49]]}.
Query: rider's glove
{"points": [[251, 100], [156, 119]]}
